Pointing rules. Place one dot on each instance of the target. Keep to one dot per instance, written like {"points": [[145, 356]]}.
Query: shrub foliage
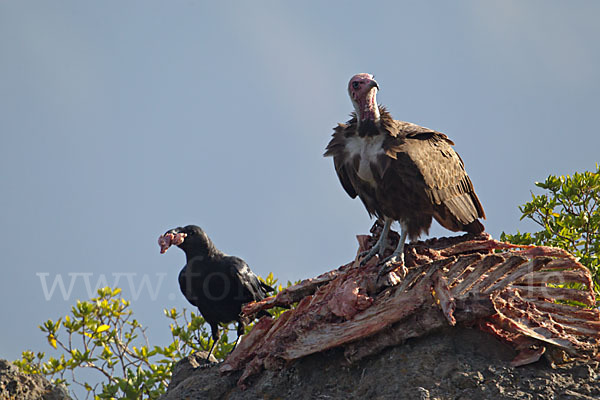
{"points": [[101, 335]]}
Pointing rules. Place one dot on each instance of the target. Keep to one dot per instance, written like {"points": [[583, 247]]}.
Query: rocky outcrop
{"points": [[466, 317], [452, 363], [16, 385]]}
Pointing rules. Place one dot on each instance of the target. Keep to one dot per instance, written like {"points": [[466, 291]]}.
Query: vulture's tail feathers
{"points": [[461, 213], [474, 227]]}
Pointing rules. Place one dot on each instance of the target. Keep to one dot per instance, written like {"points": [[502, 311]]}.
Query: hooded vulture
{"points": [[401, 171]]}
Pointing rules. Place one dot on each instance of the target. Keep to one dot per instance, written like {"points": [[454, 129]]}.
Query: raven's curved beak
{"points": [[174, 230], [171, 237]]}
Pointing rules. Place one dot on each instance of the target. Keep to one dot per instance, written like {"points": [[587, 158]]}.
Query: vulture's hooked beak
{"points": [[374, 84]]}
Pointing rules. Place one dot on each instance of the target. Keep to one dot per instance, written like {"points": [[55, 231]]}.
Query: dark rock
{"points": [[572, 395], [186, 367], [16, 385]]}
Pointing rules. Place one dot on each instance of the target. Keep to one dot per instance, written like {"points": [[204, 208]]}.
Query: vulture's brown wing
{"points": [[340, 169], [335, 148], [446, 180]]}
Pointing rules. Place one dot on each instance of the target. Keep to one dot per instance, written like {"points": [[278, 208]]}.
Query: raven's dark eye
{"points": [[355, 85]]}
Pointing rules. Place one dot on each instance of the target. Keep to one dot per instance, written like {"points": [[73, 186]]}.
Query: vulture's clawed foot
{"points": [[366, 256], [393, 262]]}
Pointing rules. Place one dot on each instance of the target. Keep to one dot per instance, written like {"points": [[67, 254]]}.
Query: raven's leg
{"points": [[240, 331], [215, 336], [397, 256], [381, 245]]}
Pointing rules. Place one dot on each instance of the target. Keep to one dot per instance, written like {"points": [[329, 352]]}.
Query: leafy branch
{"points": [[569, 215]]}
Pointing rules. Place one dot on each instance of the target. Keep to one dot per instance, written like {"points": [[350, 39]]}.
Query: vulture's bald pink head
{"points": [[362, 89]]}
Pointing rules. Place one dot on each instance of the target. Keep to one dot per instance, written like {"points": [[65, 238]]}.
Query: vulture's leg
{"points": [[381, 245], [397, 256]]}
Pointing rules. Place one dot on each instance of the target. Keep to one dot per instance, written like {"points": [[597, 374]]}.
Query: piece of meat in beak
{"points": [[170, 238]]}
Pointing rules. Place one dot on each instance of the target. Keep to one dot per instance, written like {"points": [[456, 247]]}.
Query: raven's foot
{"points": [[208, 365]]}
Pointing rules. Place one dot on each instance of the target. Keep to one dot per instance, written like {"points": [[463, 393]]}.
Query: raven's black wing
{"points": [[187, 287], [252, 287]]}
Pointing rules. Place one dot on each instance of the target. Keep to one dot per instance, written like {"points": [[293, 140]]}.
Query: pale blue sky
{"points": [[120, 120]]}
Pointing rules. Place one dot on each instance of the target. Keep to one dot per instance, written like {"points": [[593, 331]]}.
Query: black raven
{"points": [[214, 282]]}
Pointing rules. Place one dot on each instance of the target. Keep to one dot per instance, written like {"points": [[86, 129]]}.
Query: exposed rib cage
{"points": [[509, 291]]}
